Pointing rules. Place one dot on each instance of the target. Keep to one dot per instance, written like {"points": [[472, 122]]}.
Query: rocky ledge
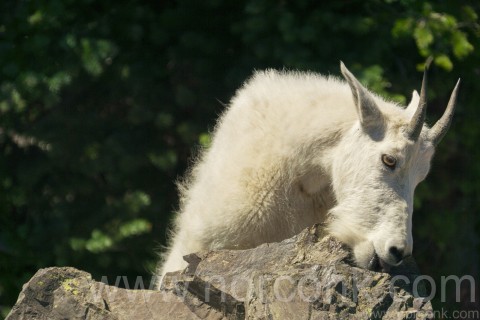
{"points": [[306, 277]]}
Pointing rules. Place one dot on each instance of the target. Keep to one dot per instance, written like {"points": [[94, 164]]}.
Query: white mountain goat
{"points": [[294, 149]]}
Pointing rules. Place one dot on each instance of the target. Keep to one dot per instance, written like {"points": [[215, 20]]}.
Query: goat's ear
{"points": [[412, 106], [370, 116]]}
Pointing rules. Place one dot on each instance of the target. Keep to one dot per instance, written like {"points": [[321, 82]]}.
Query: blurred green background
{"points": [[103, 103]]}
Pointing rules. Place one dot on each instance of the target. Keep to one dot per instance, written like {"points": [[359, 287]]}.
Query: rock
{"points": [[68, 293], [306, 277]]}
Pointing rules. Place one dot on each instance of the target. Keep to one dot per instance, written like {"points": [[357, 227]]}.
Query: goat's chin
{"points": [[366, 257], [364, 253]]}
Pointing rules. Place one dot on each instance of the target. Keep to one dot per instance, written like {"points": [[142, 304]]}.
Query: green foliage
{"points": [[102, 103], [438, 34]]}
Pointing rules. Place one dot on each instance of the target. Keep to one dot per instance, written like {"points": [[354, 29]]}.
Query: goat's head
{"points": [[375, 170]]}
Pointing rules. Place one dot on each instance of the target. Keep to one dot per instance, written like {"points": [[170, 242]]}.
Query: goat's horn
{"points": [[436, 133], [416, 124]]}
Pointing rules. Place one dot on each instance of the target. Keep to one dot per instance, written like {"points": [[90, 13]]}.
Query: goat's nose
{"points": [[397, 253]]}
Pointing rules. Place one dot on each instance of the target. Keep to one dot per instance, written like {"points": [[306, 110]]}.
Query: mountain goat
{"points": [[294, 149]]}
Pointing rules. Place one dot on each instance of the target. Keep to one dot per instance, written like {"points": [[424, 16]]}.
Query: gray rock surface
{"points": [[306, 277]]}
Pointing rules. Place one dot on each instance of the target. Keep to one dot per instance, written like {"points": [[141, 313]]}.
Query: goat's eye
{"points": [[389, 161]]}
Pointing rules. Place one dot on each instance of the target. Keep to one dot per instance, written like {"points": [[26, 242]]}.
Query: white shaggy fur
{"points": [[294, 149]]}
